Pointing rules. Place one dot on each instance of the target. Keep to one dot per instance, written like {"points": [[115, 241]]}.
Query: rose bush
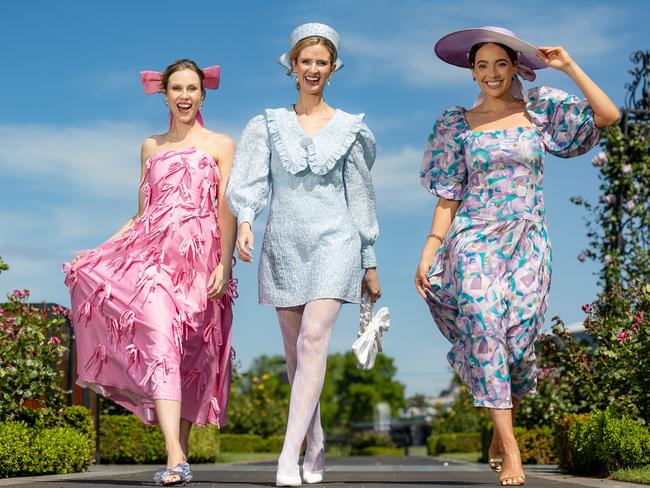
{"points": [[31, 348]]}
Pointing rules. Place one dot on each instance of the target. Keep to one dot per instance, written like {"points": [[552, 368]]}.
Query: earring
{"points": [[473, 78], [328, 82], [514, 76]]}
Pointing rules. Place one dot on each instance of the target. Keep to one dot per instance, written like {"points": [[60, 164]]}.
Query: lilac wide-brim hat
{"points": [[308, 30], [454, 47]]}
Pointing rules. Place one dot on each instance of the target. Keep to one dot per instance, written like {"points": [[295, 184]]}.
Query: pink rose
{"points": [[10, 320], [586, 308], [2, 312], [55, 340], [609, 198], [626, 168], [599, 159], [582, 256], [639, 317], [623, 335]]}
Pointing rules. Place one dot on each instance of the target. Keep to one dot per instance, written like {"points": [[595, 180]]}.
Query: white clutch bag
{"points": [[371, 328]]}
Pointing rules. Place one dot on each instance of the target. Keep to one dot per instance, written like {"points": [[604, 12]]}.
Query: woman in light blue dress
{"points": [[315, 162]]}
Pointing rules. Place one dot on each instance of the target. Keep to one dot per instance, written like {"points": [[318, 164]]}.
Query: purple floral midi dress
{"points": [[491, 276]]}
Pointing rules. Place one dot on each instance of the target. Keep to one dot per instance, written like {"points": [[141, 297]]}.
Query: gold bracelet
{"points": [[436, 236]]}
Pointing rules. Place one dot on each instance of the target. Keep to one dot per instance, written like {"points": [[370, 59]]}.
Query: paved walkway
{"points": [[357, 472]]}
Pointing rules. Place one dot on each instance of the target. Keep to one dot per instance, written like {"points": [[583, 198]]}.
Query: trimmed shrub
{"points": [[601, 442], [536, 445], [204, 444], [59, 450], [15, 447], [379, 451], [28, 450], [626, 442], [80, 419], [241, 443], [462, 442], [362, 442], [124, 439], [274, 443]]}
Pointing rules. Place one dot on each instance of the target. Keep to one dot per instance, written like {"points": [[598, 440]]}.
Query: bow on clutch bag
{"points": [[371, 328]]}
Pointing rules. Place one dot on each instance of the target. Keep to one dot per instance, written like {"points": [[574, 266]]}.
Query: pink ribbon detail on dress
{"points": [[98, 358], [151, 84]]}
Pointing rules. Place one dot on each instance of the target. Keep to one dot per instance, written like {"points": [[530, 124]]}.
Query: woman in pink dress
{"points": [[152, 306]]}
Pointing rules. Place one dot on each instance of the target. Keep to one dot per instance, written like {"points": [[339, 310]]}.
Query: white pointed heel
{"points": [[287, 480], [311, 477]]}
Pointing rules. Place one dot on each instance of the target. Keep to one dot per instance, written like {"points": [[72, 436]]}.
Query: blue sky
{"points": [[74, 116]]}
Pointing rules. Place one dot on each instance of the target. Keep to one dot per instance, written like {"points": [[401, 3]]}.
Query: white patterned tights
{"points": [[306, 332]]}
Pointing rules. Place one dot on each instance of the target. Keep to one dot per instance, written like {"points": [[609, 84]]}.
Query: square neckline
{"points": [[518, 128]]}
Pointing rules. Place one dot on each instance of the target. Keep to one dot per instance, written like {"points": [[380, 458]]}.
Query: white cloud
{"points": [[396, 178], [400, 45], [101, 159]]}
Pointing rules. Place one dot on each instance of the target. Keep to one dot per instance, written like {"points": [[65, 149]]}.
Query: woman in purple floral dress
{"points": [[486, 265]]}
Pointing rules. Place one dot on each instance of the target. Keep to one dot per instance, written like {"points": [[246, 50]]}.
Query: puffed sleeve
{"points": [[443, 170], [565, 122], [250, 180], [360, 193]]}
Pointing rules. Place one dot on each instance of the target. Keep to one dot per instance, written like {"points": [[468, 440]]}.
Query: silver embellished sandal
{"points": [[178, 475]]}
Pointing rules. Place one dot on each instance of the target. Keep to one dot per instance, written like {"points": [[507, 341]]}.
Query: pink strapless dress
{"points": [[144, 327]]}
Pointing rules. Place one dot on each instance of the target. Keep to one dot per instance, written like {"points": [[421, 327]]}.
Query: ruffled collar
{"points": [[321, 151]]}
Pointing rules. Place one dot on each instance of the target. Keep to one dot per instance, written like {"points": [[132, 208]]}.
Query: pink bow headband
{"points": [[151, 84]]}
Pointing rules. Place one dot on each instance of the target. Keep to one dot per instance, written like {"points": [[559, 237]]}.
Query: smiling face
{"points": [[313, 66], [184, 95], [493, 70]]}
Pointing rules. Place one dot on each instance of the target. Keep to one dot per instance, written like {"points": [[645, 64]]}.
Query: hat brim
{"points": [[285, 61], [454, 48]]}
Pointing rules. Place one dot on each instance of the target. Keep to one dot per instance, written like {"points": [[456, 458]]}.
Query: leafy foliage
{"points": [[618, 226], [601, 441], [350, 394], [613, 367], [31, 348], [462, 416], [259, 399]]}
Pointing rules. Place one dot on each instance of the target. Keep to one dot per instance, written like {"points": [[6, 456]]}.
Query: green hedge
{"points": [[377, 451], [462, 442], [371, 443], [124, 439], [250, 443], [26, 450], [601, 442], [536, 445]]}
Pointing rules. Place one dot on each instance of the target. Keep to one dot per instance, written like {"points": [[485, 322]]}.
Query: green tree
{"points": [[461, 416], [259, 399], [350, 394]]}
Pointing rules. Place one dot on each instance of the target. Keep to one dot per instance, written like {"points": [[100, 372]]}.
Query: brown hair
{"points": [[311, 41], [180, 65]]}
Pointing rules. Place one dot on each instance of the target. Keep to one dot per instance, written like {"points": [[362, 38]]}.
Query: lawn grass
{"points": [[460, 456], [245, 457], [633, 475]]}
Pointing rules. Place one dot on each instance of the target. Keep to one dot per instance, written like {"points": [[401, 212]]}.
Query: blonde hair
{"points": [[307, 42]]}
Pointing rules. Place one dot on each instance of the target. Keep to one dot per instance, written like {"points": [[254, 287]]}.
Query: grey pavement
{"points": [[356, 472]]}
